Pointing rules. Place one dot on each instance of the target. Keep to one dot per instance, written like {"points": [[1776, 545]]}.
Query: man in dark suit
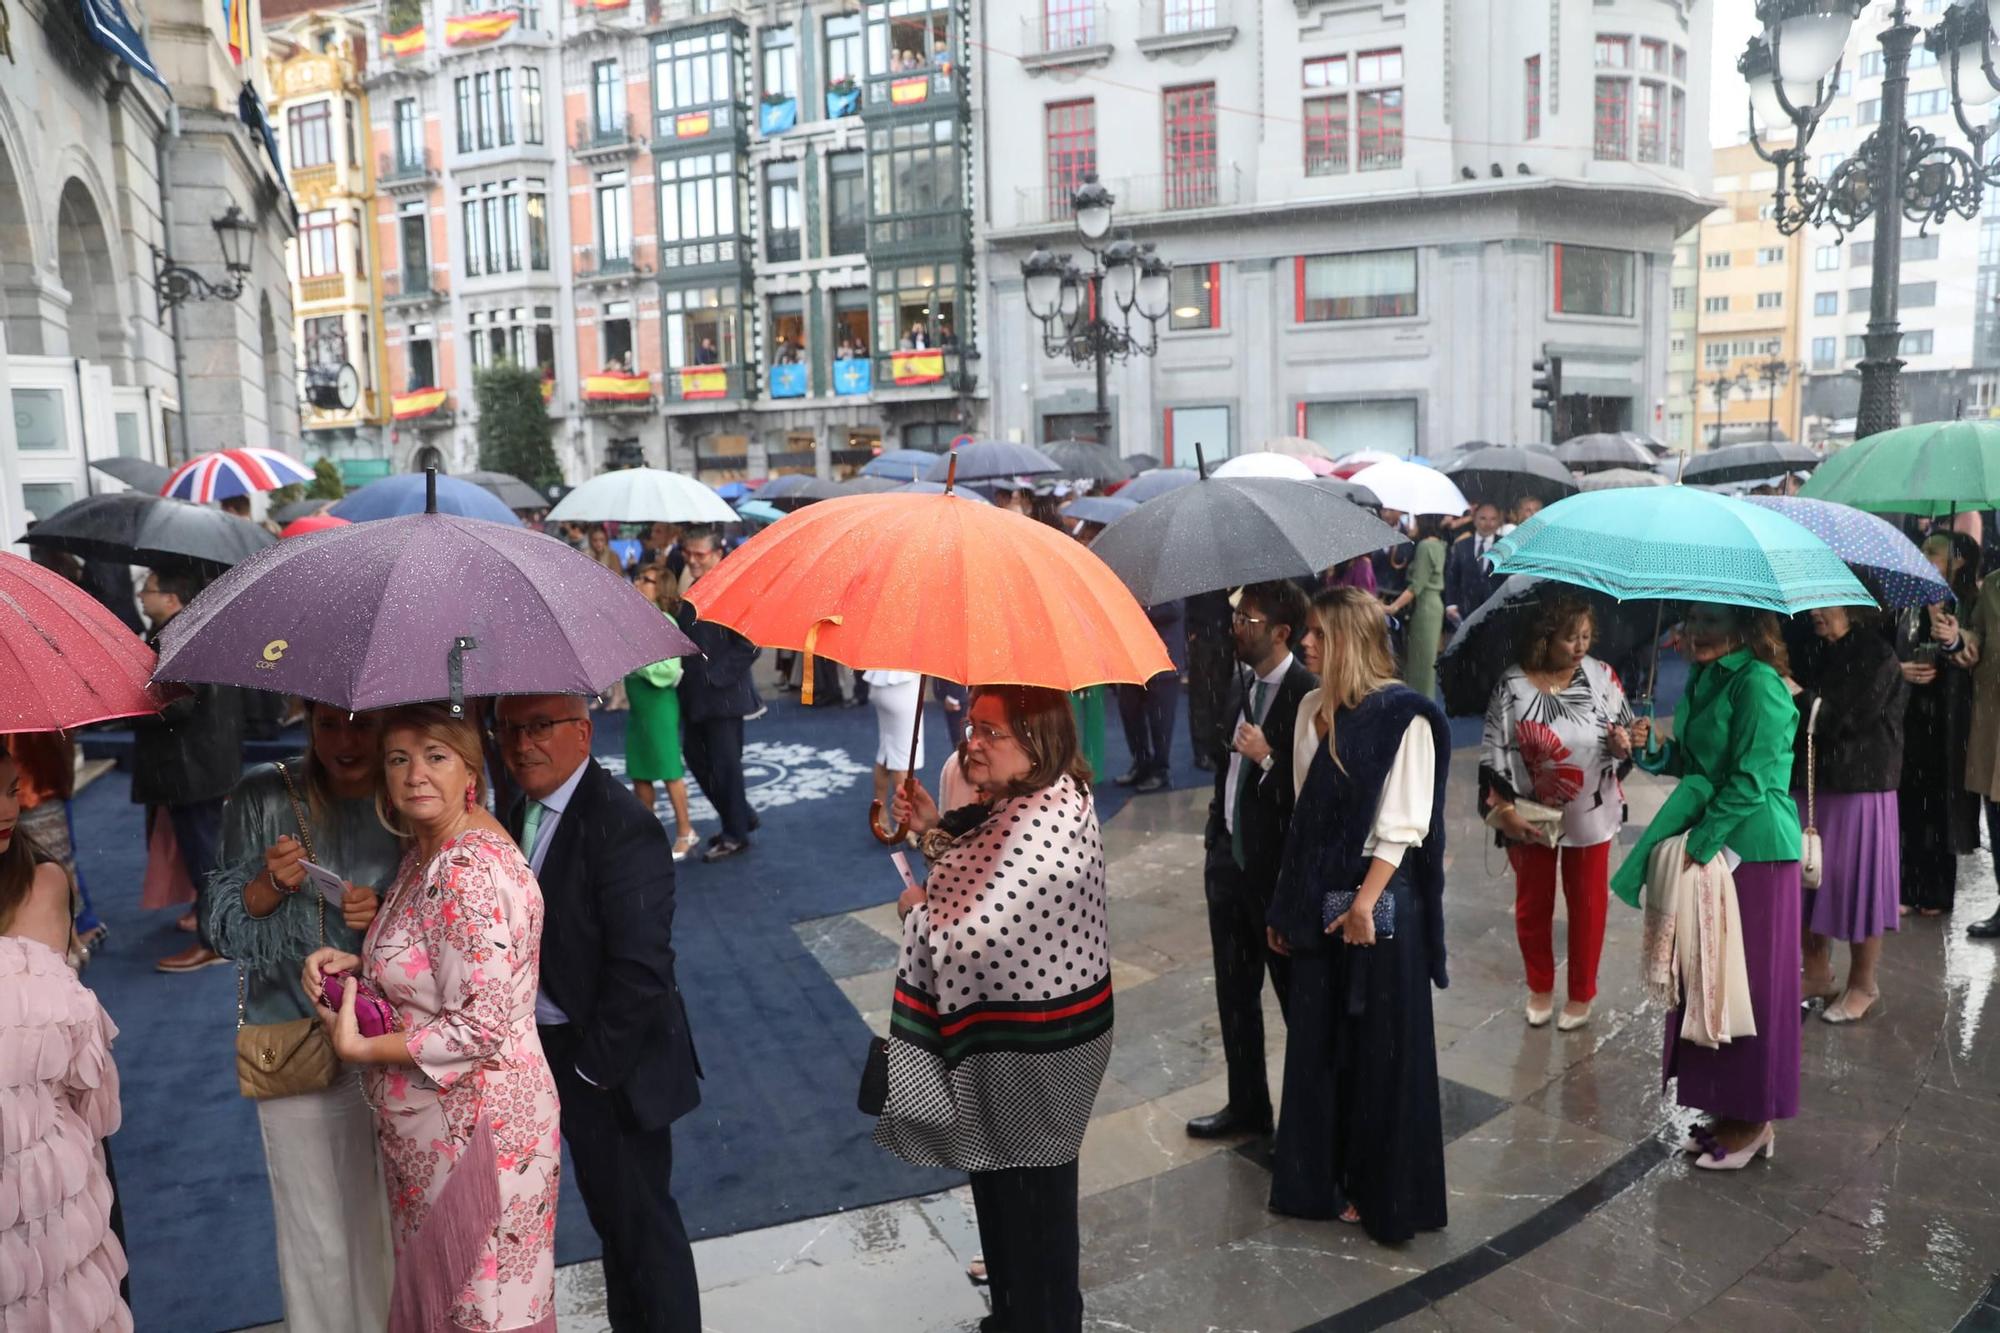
{"points": [[1147, 711], [609, 1011], [716, 695], [1467, 580], [1247, 820], [1209, 655]]}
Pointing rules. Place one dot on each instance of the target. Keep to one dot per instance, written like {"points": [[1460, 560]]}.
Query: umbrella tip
{"points": [[1200, 461], [951, 472], [430, 490]]}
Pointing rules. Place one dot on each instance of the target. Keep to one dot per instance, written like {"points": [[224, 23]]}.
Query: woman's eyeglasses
{"points": [[985, 734]]}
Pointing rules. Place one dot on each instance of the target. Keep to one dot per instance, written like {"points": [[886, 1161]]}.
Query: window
{"points": [[847, 194], [1190, 141], [1194, 298], [1532, 89], [1326, 72], [413, 233], [850, 323], [908, 35], [1652, 56], [1650, 124], [1826, 258], [1917, 295], [319, 248], [1614, 52], [1930, 102], [1326, 135], [1717, 259], [614, 331], [917, 186], [780, 62], [607, 97], [1071, 148], [348, 120], [1589, 281], [1823, 350], [512, 335], [1609, 145], [783, 212], [1681, 297], [503, 106], [420, 352], [1771, 254], [1868, 112], [1714, 355], [1826, 303], [1770, 300], [698, 209], [1857, 299], [1378, 111], [1715, 305], [1389, 424], [1856, 347], [409, 133], [324, 344], [843, 49], [1068, 24], [1677, 345], [1178, 16], [692, 73], [506, 226], [614, 220], [1871, 64], [1681, 63], [482, 110], [461, 90], [1374, 284], [311, 127], [1916, 342], [702, 324], [916, 299], [1190, 434], [786, 328], [531, 104]]}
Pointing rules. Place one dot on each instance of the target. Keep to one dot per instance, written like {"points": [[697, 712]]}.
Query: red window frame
{"points": [[315, 226], [1189, 113], [1650, 119], [1326, 126], [1614, 52], [1677, 141], [310, 134], [1068, 24], [1069, 131], [1378, 129], [1652, 55], [1324, 72], [1383, 65], [1532, 83], [1610, 117], [1212, 281]]}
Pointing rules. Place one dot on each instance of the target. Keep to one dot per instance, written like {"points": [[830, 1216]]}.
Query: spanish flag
{"points": [[467, 28], [705, 382], [620, 388], [905, 91], [602, 4], [236, 22], [549, 389], [925, 367], [416, 403], [404, 43], [692, 125]]}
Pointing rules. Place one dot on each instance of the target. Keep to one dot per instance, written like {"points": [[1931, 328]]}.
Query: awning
{"points": [[112, 30]]}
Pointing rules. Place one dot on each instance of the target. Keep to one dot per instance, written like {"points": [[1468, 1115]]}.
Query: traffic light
{"points": [[1548, 386]]}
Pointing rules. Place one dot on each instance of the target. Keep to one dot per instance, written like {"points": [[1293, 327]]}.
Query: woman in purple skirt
{"points": [[1853, 706], [1732, 751]]}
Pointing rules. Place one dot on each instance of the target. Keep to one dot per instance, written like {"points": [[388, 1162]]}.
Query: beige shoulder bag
{"points": [[285, 1059]]}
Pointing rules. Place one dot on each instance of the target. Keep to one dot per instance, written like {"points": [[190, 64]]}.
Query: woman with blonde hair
{"points": [[1359, 908], [653, 732], [464, 1101]]}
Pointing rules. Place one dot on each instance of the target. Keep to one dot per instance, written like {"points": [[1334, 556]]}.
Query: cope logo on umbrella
{"points": [[274, 651]]}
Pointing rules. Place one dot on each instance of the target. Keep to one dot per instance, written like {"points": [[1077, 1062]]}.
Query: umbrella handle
{"points": [[894, 833], [889, 836]]}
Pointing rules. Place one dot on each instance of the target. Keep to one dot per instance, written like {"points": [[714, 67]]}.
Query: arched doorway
{"points": [[83, 262], [430, 456]]}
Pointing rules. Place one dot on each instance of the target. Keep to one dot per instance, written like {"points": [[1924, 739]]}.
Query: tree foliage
{"points": [[514, 426]]}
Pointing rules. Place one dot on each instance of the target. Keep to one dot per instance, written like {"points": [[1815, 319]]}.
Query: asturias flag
{"points": [[788, 380], [853, 375], [925, 367]]}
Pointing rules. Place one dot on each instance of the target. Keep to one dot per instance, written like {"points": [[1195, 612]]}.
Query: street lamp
{"points": [[1900, 171], [1087, 315], [174, 283], [1772, 372], [1721, 387]]}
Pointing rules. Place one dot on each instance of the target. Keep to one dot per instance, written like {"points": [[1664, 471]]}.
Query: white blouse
{"points": [[1403, 817]]}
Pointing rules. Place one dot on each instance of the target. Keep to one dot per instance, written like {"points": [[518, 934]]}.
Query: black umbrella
{"points": [[297, 510], [1222, 532], [1141, 462], [867, 485], [508, 489], [1596, 453], [1502, 475], [1748, 462], [991, 460], [1493, 637], [1154, 483], [149, 530], [1086, 460], [138, 473], [798, 489]]}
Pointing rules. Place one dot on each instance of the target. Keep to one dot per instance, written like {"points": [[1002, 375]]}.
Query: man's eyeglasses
{"points": [[1244, 618], [986, 734], [536, 730]]}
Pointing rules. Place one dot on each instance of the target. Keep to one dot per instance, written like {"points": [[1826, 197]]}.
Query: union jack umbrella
{"points": [[206, 478]]}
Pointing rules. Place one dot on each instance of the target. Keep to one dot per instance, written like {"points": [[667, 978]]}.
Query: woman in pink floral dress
{"points": [[465, 1105]]}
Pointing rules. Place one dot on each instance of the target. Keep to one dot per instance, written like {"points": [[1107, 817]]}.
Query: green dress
{"points": [[1088, 706], [653, 731], [1425, 623]]}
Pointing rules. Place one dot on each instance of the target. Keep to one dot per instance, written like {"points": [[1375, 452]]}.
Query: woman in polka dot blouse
{"points": [[1002, 1020]]}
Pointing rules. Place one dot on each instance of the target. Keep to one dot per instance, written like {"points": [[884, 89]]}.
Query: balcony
{"points": [[923, 88], [594, 140], [1141, 196], [711, 387], [612, 18], [671, 13], [782, 246], [413, 291], [698, 258], [332, 287], [609, 270], [1187, 25], [1065, 33], [318, 180], [399, 173], [935, 373], [943, 231]]}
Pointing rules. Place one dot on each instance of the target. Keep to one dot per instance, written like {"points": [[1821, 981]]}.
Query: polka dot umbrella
{"points": [[1887, 562]]}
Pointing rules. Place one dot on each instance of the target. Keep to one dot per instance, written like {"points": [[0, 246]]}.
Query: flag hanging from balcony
{"points": [[468, 28], [925, 367], [404, 43], [705, 382], [692, 125], [602, 4], [112, 30], [842, 101], [415, 403], [549, 389], [236, 23], [777, 117], [788, 381], [853, 375], [905, 91], [612, 387]]}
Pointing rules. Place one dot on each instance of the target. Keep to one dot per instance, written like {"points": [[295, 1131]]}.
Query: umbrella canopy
{"points": [[1493, 637], [758, 512], [642, 495], [795, 490], [992, 460], [67, 661], [138, 473], [149, 530], [1156, 482], [1680, 543], [311, 523], [938, 488], [1501, 475], [938, 585], [508, 489], [1282, 466], [1938, 467], [370, 616], [1222, 532], [299, 509], [1597, 453], [733, 491], [1411, 488], [404, 495], [1086, 460], [1106, 509], [1748, 462], [899, 464], [1890, 565], [209, 477], [1296, 446], [1614, 478], [1141, 463], [1348, 491], [867, 485]]}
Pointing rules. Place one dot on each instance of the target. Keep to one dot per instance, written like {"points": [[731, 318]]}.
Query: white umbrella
{"points": [[1365, 457], [1411, 488], [642, 495], [1264, 464], [1296, 446]]}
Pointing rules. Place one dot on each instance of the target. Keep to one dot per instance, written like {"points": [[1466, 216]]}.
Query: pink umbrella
{"points": [[228, 472], [1321, 467]]}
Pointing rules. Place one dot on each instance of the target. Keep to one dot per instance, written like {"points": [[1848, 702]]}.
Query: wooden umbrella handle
{"points": [[889, 836]]}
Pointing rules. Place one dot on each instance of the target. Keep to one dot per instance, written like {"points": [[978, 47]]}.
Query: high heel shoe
{"points": [[1568, 1022], [1539, 1014], [686, 845], [1700, 1140], [1764, 1145]]}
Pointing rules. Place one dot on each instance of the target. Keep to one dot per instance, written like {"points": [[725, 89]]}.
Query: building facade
{"points": [[730, 237], [1748, 294], [1683, 375], [1379, 212]]}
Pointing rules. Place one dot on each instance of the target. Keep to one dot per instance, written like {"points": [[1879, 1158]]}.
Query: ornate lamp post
{"points": [[1720, 388], [174, 283], [1772, 373], [1899, 171], [1086, 315]]}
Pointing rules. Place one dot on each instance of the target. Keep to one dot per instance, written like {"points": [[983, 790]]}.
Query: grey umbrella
{"points": [[1156, 482], [138, 473], [1087, 461], [150, 530], [297, 510], [991, 460], [1221, 532], [1501, 475], [867, 485], [798, 489], [508, 489], [1596, 453], [1348, 491], [937, 488], [1748, 462], [1141, 462], [1105, 509]]}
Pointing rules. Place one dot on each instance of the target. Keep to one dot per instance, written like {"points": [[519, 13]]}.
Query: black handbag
{"points": [[874, 1093], [1337, 901]]}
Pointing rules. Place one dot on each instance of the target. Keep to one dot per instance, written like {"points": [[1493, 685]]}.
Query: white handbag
{"points": [[1812, 855]]}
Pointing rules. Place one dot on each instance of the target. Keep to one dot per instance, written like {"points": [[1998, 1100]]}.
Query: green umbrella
{"points": [[1938, 467]]}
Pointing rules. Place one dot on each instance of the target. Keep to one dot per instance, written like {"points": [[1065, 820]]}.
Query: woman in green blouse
{"points": [[653, 732], [1423, 631], [1732, 751]]}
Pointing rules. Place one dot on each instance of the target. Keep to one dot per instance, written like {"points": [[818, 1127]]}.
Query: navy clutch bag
{"points": [[1337, 901]]}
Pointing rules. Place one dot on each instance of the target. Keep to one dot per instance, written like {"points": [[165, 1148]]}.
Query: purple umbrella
{"points": [[428, 606], [1888, 563]]}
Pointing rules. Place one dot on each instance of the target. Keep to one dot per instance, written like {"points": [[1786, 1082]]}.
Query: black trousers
{"points": [[198, 831], [713, 749], [1211, 659], [1242, 955], [1147, 712], [626, 1178], [1028, 1233]]}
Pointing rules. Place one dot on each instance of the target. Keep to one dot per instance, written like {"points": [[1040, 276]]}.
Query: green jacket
{"points": [[1732, 750]]}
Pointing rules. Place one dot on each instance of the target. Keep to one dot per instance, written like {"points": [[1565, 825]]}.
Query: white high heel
{"points": [[1571, 1022], [1764, 1145], [1539, 1018]]}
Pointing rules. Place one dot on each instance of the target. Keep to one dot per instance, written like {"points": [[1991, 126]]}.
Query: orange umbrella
{"points": [[937, 585]]}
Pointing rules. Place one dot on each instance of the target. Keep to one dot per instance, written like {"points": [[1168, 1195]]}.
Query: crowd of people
{"points": [[455, 955]]}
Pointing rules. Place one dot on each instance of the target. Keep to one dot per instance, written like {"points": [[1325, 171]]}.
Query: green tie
{"points": [[1243, 777], [530, 826]]}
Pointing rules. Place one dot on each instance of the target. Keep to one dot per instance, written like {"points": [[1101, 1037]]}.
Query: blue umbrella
{"points": [[1106, 509], [899, 464], [1888, 562], [395, 497], [1156, 482], [733, 491], [990, 460]]}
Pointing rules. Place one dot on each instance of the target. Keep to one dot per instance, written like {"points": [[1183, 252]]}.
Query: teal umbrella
{"points": [[758, 513], [1937, 467], [1681, 544]]}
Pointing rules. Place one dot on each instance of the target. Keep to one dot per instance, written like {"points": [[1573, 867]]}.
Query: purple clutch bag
{"points": [[372, 1013]]}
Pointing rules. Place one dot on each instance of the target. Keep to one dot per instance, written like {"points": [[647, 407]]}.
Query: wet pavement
{"points": [[1569, 1208]]}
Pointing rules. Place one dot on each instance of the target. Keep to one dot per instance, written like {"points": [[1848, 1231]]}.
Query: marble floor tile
{"points": [[1167, 1219]]}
